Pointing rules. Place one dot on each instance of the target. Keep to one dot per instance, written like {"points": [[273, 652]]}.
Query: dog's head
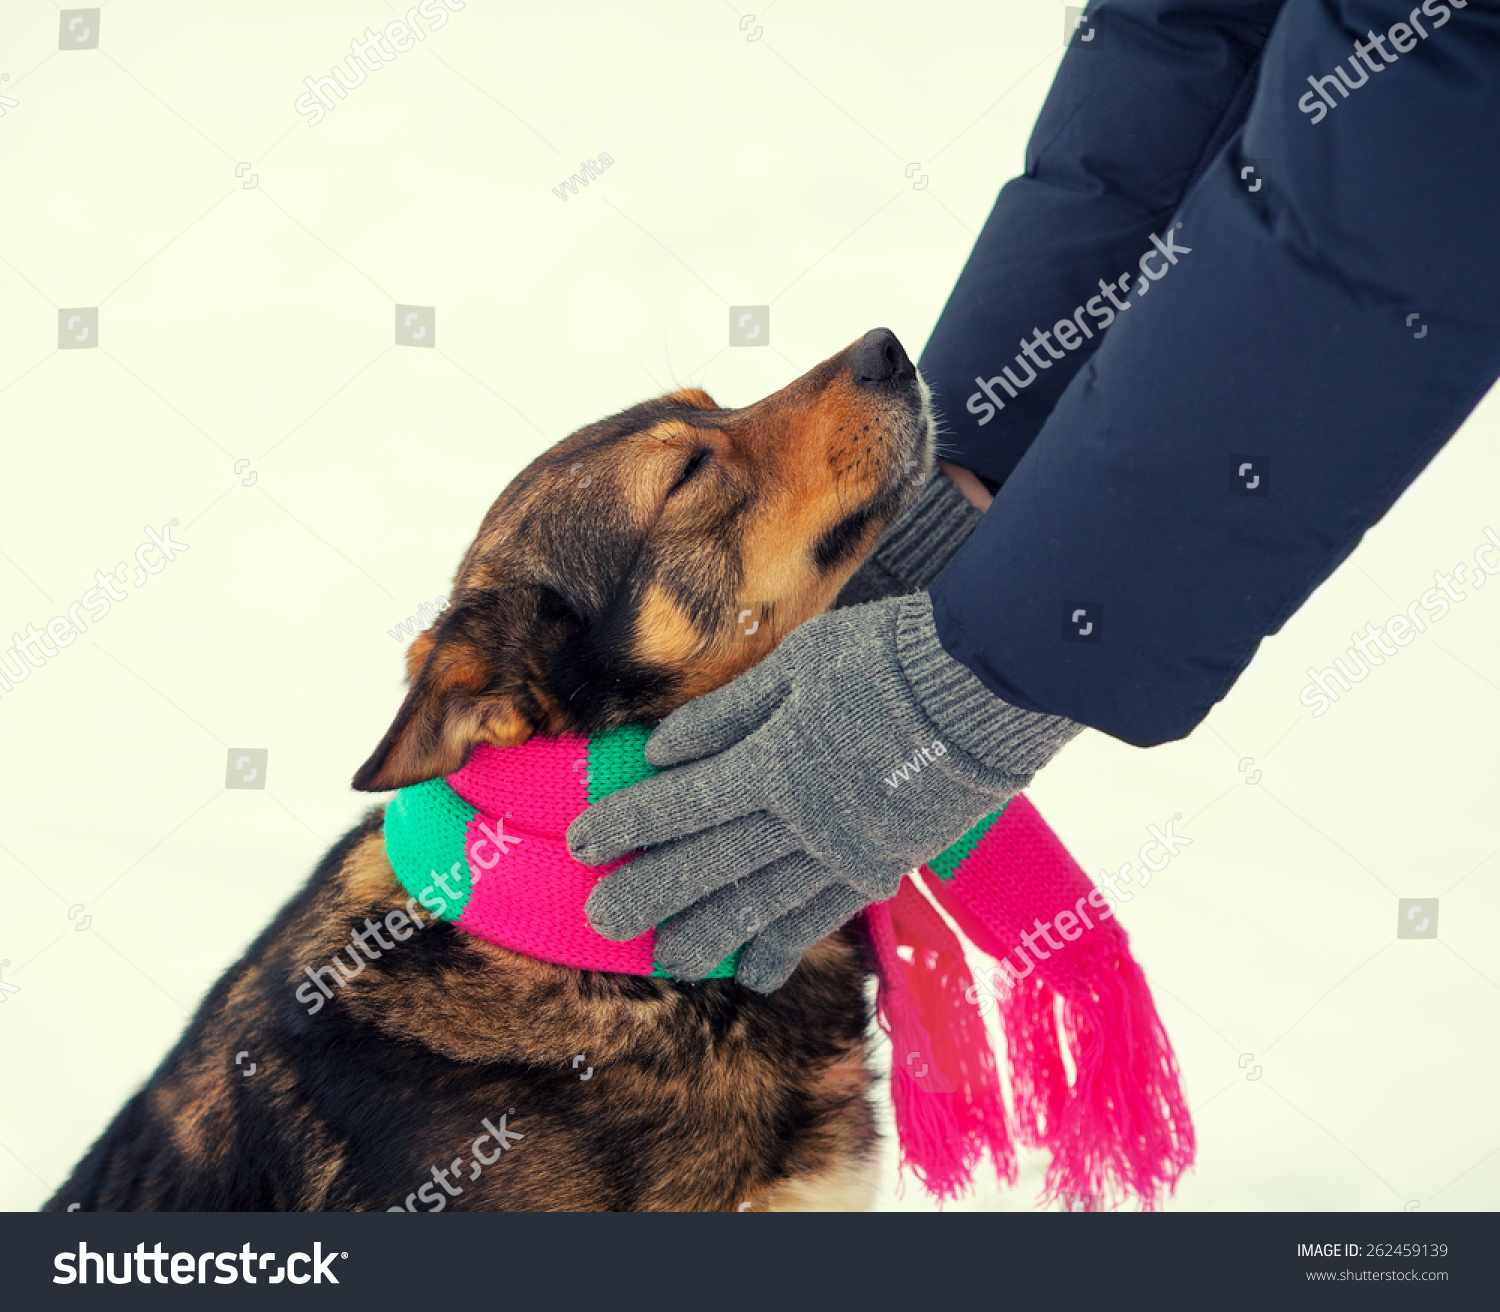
{"points": [[655, 555]]}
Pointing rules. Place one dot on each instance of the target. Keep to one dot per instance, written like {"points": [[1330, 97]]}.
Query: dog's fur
{"points": [[605, 586]]}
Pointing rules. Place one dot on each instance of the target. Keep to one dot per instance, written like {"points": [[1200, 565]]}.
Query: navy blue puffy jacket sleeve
{"points": [[1194, 468]]}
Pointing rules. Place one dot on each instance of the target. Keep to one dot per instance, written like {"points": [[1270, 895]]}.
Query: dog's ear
{"points": [[451, 706]]}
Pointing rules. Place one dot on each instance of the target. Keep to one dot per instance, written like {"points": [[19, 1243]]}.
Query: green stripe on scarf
{"points": [[945, 863], [617, 759], [425, 828]]}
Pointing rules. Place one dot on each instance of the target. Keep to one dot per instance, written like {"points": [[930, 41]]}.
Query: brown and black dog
{"points": [[606, 586]]}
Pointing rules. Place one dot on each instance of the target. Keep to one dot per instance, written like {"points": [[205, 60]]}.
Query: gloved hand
{"points": [[805, 789], [918, 545]]}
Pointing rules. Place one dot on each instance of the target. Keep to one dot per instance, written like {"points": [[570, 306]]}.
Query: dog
{"points": [[588, 600]]}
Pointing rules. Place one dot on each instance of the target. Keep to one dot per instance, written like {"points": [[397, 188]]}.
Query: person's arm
{"points": [[860, 747], [1278, 342], [1133, 117], [1331, 318]]}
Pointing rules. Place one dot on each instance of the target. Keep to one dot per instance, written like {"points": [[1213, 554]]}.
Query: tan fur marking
{"points": [[417, 653], [460, 665]]}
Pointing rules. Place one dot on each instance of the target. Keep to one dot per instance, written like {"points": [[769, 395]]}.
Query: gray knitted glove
{"points": [[806, 788], [918, 545]]}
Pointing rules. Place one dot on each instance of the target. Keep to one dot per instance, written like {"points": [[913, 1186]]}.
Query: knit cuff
{"points": [[989, 729], [928, 533]]}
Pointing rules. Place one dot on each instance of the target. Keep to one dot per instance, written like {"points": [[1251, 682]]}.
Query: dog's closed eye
{"points": [[691, 468]]}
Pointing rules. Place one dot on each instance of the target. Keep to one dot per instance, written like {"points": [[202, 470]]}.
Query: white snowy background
{"points": [[757, 160]]}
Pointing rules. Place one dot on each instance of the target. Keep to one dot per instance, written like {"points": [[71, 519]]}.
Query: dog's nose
{"points": [[880, 358]]}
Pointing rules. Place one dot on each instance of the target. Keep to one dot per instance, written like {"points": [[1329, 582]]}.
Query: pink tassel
{"points": [[945, 1082], [1123, 1126], [1038, 1079]]}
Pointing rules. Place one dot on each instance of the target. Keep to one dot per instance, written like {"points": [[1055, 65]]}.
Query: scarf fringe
{"points": [[945, 1082], [1121, 1127], [1131, 1128]]}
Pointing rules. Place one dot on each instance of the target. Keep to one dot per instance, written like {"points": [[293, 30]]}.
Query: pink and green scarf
{"points": [[495, 832]]}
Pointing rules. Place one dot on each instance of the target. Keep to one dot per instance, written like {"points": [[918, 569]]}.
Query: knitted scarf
{"points": [[485, 848]]}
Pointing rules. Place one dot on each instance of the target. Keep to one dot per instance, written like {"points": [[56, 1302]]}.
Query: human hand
{"points": [[804, 790]]}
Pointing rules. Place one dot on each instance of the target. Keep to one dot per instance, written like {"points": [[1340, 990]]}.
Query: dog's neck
{"points": [[486, 847]]}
